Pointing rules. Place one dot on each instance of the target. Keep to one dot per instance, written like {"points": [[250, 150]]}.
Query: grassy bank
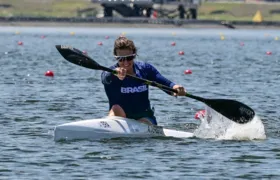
{"points": [[40, 8], [69, 8], [238, 11]]}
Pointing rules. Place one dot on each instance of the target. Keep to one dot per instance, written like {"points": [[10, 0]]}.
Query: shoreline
{"points": [[134, 23], [123, 25], [103, 25]]}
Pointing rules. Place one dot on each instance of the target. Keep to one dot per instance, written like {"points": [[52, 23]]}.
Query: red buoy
{"points": [[20, 43], [268, 52], [199, 114], [188, 71], [181, 52], [173, 44], [49, 73], [100, 43]]}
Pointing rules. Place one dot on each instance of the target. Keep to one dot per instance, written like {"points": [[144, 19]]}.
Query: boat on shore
{"points": [[113, 127]]}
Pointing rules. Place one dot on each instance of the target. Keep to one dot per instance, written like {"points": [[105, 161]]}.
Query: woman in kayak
{"points": [[128, 97]]}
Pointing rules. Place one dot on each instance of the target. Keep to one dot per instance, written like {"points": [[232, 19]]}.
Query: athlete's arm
{"points": [[111, 87], [154, 75], [157, 77]]}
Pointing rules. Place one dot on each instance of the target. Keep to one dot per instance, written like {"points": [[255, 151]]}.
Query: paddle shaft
{"points": [[153, 83]]}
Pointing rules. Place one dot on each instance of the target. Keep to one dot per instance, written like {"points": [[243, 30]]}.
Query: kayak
{"points": [[113, 127]]}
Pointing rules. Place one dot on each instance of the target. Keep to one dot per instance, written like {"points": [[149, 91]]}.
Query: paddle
{"points": [[233, 110]]}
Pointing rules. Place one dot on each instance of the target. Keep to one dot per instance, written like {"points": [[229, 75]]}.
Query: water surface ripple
{"points": [[32, 105]]}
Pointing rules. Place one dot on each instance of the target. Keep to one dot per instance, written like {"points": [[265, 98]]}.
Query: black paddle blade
{"points": [[77, 57], [233, 110]]}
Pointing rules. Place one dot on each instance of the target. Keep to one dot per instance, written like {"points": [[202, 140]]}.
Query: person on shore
{"points": [[128, 97]]}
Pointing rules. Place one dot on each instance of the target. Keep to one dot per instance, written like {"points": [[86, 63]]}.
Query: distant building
{"points": [[146, 8]]}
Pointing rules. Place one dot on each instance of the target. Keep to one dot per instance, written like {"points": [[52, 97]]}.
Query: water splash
{"points": [[216, 126], [249, 131]]}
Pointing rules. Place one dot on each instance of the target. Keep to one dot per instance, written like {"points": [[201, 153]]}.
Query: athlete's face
{"points": [[125, 59]]}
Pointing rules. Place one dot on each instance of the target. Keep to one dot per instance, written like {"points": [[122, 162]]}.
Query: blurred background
{"points": [[230, 10]]}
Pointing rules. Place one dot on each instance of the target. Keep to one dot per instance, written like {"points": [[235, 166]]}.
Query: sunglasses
{"points": [[127, 58]]}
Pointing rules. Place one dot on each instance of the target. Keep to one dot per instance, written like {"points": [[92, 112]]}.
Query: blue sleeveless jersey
{"points": [[130, 94]]}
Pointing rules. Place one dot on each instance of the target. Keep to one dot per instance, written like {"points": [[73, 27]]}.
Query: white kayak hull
{"points": [[112, 127]]}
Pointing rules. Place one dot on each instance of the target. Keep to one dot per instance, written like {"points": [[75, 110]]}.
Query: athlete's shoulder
{"points": [[142, 64]]}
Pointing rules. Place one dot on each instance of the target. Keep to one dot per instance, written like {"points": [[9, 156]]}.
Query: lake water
{"points": [[32, 104]]}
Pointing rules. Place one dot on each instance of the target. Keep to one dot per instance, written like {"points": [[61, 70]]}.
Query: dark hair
{"points": [[124, 43]]}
